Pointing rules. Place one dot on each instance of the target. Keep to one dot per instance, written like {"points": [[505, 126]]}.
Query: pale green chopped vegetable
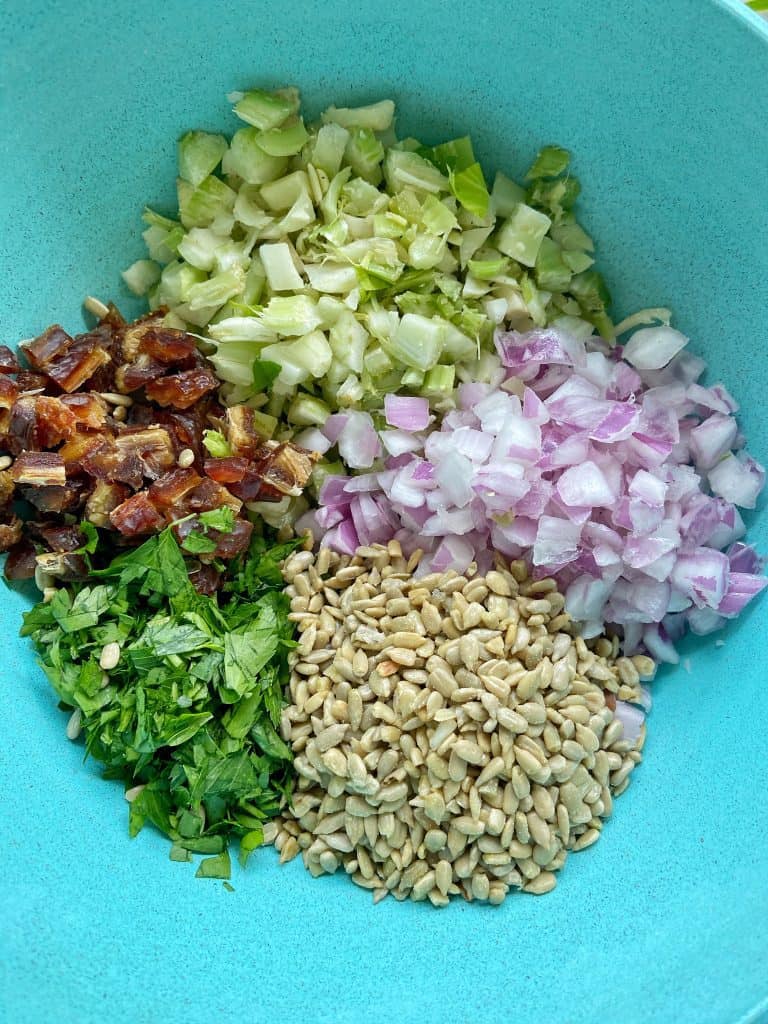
{"points": [[376, 118], [280, 267], [356, 262], [199, 155], [521, 234], [141, 276], [266, 110]]}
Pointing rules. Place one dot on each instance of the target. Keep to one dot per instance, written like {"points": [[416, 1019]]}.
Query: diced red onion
{"points": [[407, 413]]}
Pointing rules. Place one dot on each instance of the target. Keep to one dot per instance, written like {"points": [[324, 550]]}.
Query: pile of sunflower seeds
{"points": [[452, 736]]}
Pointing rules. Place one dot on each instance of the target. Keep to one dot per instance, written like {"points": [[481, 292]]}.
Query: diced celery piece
{"points": [[307, 411], [330, 202], [247, 159], [495, 309], [323, 469], [377, 256], [470, 189], [591, 291], [455, 155], [470, 242], [308, 356], [576, 326], [290, 315], [550, 162], [376, 361], [215, 291], [350, 392], [521, 234], [505, 195], [426, 251], [230, 255], [382, 323], [554, 196], [571, 235], [234, 362], [284, 141], [199, 206], [487, 270], [417, 342], [336, 278], [439, 381], [198, 247], [533, 301], [157, 220], [552, 273], [176, 281], [458, 347], [300, 216], [242, 328], [280, 267], [283, 193], [141, 276], [517, 311], [348, 339], [403, 169], [413, 379], [474, 287], [162, 244], [360, 198], [216, 444], [330, 309], [376, 118], [328, 148], [437, 217], [200, 154], [364, 154], [577, 261], [255, 280], [266, 110]]}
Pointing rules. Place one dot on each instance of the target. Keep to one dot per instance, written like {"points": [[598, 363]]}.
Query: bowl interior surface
{"points": [[663, 106]]}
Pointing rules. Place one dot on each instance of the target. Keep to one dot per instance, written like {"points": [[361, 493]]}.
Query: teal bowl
{"points": [[666, 919]]}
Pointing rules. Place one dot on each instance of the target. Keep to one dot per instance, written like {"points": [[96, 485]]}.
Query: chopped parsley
{"points": [[192, 710]]}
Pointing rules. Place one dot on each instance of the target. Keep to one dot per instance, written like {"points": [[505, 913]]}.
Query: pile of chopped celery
{"points": [[330, 264]]}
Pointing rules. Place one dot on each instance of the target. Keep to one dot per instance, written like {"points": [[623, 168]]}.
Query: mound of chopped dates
{"points": [[107, 427]]}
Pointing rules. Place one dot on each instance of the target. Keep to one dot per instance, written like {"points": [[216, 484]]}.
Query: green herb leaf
{"points": [[264, 373], [197, 543], [215, 867]]}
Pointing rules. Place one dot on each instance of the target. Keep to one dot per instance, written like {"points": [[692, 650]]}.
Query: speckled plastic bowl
{"points": [[666, 919]]}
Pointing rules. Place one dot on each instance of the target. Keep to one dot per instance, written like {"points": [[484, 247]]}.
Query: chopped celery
{"points": [[412, 380], [336, 278], [376, 118], [417, 342], [290, 314], [577, 261], [249, 161], [216, 444], [409, 169], [308, 356], [437, 217], [329, 146], [266, 110], [487, 270], [552, 272], [356, 263], [307, 411], [554, 196], [456, 155], [199, 155], [521, 234], [506, 195], [285, 141], [215, 291], [198, 247], [426, 251], [550, 162], [572, 236], [199, 206], [439, 381], [470, 189], [283, 193], [141, 276], [364, 154], [263, 423], [533, 301], [242, 328], [280, 267], [176, 280]]}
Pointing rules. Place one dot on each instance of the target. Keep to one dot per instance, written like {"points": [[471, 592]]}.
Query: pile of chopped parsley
{"points": [[191, 711]]}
